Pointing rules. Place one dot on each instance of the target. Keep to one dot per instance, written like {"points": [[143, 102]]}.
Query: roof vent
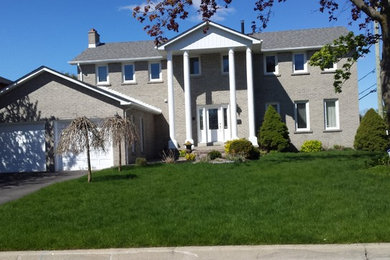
{"points": [[93, 38]]}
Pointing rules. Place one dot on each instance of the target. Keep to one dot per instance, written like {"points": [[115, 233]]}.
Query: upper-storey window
{"points": [[271, 65], [299, 63], [128, 73], [102, 74], [155, 71], [225, 64], [331, 67], [195, 66]]}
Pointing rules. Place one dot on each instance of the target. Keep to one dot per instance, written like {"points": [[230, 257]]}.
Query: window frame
{"points": [[98, 82], [273, 103], [199, 68], [305, 70], [222, 67], [276, 72], [124, 74], [150, 71], [337, 127], [307, 107], [333, 69]]}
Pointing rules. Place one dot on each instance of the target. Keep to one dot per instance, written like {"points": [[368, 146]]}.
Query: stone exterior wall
{"points": [[212, 87]]}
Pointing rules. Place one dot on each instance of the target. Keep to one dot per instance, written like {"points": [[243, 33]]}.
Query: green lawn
{"points": [[328, 197]]}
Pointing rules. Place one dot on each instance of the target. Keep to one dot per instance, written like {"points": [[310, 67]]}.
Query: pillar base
{"points": [[253, 140]]}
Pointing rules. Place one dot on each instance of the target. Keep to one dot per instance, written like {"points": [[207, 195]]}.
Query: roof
{"points": [[4, 82], [299, 39], [118, 51], [208, 23], [272, 41], [116, 96]]}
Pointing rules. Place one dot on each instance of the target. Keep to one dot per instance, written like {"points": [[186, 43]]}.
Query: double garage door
{"points": [[23, 149]]}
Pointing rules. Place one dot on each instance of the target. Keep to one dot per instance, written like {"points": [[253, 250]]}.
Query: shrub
{"points": [[214, 154], [243, 148], [371, 134], [140, 161], [311, 146], [182, 153], [273, 133], [190, 157]]}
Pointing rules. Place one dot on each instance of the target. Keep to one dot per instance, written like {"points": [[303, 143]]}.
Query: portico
{"points": [[215, 122]]}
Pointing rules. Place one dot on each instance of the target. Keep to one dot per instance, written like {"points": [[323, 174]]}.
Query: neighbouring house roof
{"points": [[119, 51], [271, 41], [4, 82], [116, 96], [299, 39]]}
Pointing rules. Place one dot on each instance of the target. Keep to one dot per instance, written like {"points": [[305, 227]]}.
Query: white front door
{"points": [[213, 123]]}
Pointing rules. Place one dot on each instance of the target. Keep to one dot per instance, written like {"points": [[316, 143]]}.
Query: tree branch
{"points": [[368, 10]]}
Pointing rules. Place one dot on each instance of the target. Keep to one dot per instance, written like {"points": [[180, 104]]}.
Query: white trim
{"points": [[292, 49], [224, 72], [115, 60], [123, 73], [276, 72], [232, 92], [254, 40], [106, 82], [150, 71], [304, 63], [271, 104], [337, 127], [307, 116], [199, 68]]}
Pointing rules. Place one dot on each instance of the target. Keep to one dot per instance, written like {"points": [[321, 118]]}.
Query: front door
{"points": [[213, 123]]}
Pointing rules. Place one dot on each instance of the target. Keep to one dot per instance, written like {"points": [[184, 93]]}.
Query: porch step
{"points": [[206, 149]]}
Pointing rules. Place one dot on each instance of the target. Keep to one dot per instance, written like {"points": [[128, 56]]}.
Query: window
{"points": [[302, 116], [225, 64], [271, 65], [331, 108], [195, 66], [274, 104], [128, 73], [102, 75], [155, 71], [331, 67], [299, 63]]}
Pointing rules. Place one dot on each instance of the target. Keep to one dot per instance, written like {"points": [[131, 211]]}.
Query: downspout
{"points": [[80, 72]]}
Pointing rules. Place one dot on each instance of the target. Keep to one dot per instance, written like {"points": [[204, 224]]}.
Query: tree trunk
{"points": [[120, 156], [385, 67], [88, 158]]}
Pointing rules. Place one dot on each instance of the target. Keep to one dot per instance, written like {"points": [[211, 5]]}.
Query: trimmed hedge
{"points": [[273, 133], [371, 134], [311, 146], [243, 148]]}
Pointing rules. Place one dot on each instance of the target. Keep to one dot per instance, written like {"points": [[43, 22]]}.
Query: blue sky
{"points": [[52, 32]]}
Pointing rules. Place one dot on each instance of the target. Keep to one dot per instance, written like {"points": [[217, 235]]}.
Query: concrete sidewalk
{"points": [[290, 252]]}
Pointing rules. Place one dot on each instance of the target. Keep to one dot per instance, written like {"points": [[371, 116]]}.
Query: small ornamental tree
{"points": [[120, 130], [273, 134], [371, 134], [81, 135]]}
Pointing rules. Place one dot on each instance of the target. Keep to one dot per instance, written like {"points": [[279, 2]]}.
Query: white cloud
{"points": [[131, 7]]}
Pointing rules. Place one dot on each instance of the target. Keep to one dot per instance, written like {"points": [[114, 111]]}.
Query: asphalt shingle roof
{"points": [[271, 41], [299, 38], [119, 50]]}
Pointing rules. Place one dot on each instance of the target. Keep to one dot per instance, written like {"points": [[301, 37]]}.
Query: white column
{"points": [[251, 106], [187, 97], [233, 104], [171, 103]]}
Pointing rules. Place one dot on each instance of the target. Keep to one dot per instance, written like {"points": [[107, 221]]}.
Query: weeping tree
{"points": [[120, 130], [81, 135]]}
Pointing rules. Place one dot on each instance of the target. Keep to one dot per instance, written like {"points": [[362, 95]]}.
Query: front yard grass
{"points": [[327, 197]]}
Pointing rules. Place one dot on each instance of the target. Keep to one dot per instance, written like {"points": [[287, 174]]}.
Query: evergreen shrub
{"points": [[311, 146]]}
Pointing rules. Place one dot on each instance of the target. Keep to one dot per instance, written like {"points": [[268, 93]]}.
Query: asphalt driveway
{"points": [[16, 185]]}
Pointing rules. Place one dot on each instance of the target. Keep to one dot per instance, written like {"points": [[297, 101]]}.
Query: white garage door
{"points": [[71, 162], [22, 148]]}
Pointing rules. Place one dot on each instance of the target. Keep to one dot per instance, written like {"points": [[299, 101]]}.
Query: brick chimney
{"points": [[93, 38]]}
